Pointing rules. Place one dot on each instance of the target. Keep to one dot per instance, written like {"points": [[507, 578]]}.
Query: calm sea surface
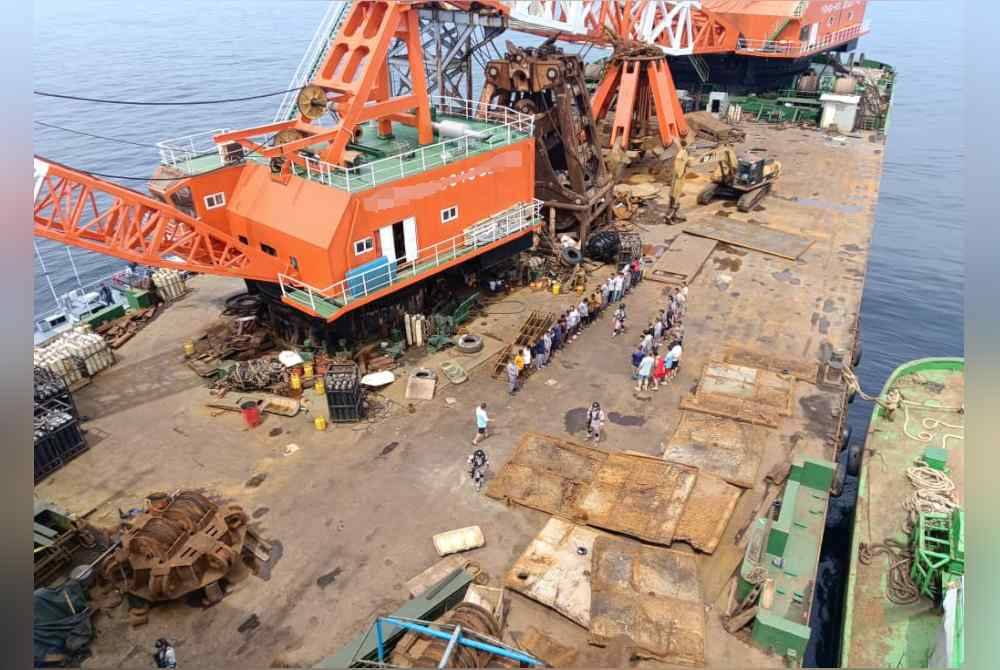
{"points": [[913, 300]]}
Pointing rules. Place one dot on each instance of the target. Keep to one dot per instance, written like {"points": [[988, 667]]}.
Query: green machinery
{"points": [[938, 541], [447, 319]]}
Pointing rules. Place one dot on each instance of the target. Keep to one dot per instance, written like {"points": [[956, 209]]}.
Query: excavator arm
{"points": [[78, 209]]}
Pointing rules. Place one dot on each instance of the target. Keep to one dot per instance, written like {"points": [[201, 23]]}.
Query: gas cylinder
{"points": [[296, 382]]}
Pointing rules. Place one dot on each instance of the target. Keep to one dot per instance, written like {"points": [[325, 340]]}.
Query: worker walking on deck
{"points": [[595, 422], [479, 462], [482, 424]]}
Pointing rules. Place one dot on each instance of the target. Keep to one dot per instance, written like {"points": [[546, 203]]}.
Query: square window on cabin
{"points": [[450, 214], [268, 249], [243, 239], [364, 246], [215, 200]]}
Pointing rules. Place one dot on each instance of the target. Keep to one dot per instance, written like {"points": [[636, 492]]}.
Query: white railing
{"points": [[180, 152], [798, 48], [329, 25], [505, 127], [358, 286]]}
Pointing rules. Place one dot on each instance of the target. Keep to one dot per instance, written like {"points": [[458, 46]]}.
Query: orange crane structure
{"points": [[359, 188]]}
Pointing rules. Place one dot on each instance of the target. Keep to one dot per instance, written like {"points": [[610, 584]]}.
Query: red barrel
{"points": [[251, 413]]}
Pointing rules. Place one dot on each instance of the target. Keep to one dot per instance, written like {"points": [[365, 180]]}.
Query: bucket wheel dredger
{"points": [[356, 197], [636, 84]]}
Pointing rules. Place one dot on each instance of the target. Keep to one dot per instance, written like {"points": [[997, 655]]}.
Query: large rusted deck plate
{"points": [[641, 497], [682, 260], [752, 236], [650, 594], [555, 569], [719, 446], [707, 513]]}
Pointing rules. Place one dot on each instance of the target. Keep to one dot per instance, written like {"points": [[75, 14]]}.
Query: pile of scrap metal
{"points": [[452, 623], [709, 126], [180, 544], [121, 330], [259, 374], [571, 177]]}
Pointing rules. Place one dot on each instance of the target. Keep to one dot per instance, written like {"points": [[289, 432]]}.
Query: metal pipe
{"points": [[450, 649], [462, 640]]}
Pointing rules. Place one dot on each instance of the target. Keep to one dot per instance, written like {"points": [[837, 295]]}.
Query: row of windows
{"points": [[365, 245]]}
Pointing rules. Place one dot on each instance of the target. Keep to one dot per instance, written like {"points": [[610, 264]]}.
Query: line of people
{"points": [[572, 322], [657, 357]]}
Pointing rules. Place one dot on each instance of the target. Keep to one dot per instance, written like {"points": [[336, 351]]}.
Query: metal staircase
{"points": [[700, 66], [314, 55]]}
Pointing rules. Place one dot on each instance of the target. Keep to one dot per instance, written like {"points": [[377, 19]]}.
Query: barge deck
{"points": [[351, 511]]}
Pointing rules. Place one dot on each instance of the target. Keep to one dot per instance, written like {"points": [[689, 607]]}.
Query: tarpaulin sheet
{"points": [[61, 620]]}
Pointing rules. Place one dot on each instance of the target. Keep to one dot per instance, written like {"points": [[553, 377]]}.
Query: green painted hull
{"points": [[876, 631]]}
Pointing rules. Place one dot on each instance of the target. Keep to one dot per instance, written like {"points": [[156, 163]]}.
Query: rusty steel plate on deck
{"points": [[633, 495], [719, 446], [682, 260], [650, 594], [742, 393], [807, 371], [707, 513], [555, 569], [752, 236]]}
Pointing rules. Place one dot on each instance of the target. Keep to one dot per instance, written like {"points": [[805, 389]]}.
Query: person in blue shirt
{"points": [[636, 360]]}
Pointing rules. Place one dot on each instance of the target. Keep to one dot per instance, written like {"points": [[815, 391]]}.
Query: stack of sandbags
{"points": [[169, 284]]}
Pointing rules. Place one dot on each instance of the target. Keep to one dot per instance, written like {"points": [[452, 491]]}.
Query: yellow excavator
{"points": [[748, 181]]}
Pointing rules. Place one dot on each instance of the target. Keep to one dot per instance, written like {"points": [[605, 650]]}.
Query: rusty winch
{"points": [[180, 543]]}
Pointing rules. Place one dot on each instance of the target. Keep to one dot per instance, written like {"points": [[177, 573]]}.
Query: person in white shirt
{"points": [[595, 422], [619, 283], [482, 424], [573, 321]]}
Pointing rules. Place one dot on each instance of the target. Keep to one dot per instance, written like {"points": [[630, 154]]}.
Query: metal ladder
{"points": [[700, 66], [315, 53]]}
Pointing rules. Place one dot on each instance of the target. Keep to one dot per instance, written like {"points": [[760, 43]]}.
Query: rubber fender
{"points": [[845, 436], [851, 396], [603, 246], [470, 344], [856, 356], [854, 455], [839, 477], [571, 256]]}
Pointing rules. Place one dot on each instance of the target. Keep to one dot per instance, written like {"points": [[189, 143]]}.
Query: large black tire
{"points": [[845, 436], [854, 456], [839, 477], [571, 256], [707, 194], [470, 344], [856, 356], [603, 246]]}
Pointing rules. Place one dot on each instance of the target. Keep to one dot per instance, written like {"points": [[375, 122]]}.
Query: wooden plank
{"points": [[752, 236], [682, 260]]}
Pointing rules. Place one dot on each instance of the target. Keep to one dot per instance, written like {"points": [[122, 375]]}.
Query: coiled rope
{"points": [[901, 588]]}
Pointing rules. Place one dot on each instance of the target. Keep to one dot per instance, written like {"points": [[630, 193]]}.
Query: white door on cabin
{"points": [[410, 238], [813, 32], [386, 241]]}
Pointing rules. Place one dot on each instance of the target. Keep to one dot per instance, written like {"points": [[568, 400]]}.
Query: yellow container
{"points": [[555, 288], [320, 388], [320, 423], [296, 382], [189, 348], [307, 370]]}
